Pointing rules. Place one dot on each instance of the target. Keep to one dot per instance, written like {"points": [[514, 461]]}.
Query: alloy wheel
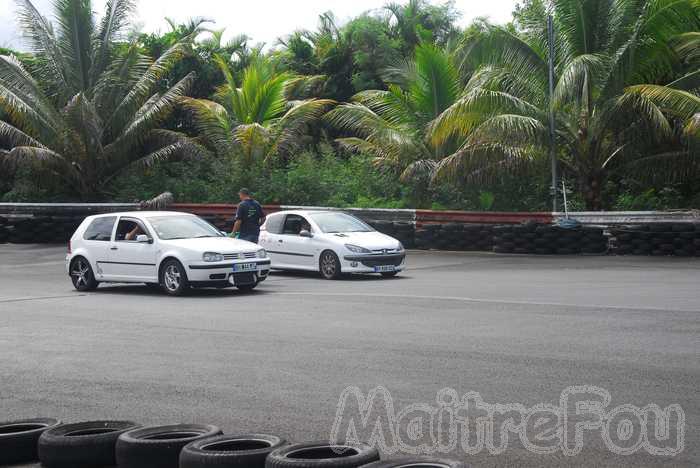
{"points": [[172, 277], [329, 265], [81, 273]]}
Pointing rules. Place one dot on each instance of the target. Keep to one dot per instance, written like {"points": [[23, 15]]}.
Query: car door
{"points": [[296, 251], [269, 233], [132, 261], [97, 240]]}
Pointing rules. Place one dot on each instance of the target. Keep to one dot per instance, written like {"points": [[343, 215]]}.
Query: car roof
{"points": [[304, 212], [144, 214]]}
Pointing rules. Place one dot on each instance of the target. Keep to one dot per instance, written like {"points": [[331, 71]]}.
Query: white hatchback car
{"points": [[172, 250], [331, 243]]}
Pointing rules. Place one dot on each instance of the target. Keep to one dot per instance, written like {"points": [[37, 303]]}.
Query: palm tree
{"points": [[261, 120], [393, 125], [418, 21], [85, 108], [605, 124]]}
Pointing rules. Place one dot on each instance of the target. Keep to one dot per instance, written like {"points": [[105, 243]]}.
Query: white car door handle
{"points": [[114, 248]]}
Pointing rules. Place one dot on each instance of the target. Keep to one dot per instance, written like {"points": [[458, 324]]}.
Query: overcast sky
{"points": [[263, 20]]}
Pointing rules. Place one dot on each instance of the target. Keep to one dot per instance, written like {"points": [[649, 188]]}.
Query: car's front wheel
{"points": [[173, 278], [329, 265], [81, 275], [247, 287]]}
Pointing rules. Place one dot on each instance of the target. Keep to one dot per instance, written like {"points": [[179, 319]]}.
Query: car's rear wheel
{"points": [[329, 265], [81, 275], [173, 278]]}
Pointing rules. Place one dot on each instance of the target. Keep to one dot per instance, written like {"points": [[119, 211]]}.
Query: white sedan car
{"points": [[174, 251], [331, 243]]}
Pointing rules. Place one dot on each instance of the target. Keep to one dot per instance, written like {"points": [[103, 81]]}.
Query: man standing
{"points": [[249, 217]]}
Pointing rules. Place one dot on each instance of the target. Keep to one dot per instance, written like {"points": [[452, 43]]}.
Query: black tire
{"points": [[389, 274], [329, 265], [247, 287], [81, 445], [230, 451], [173, 278], [159, 447], [18, 439], [322, 455], [81, 275], [417, 463]]}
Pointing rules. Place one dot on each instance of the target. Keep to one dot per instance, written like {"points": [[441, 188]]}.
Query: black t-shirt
{"points": [[250, 213]]}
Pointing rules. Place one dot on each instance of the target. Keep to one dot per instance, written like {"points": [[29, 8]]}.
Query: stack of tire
{"points": [[41, 229], [428, 237], [456, 237], [659, 239], [65, 225], [403, 231], [3, 230], [124, 444], [221, 222], [544, 239]]}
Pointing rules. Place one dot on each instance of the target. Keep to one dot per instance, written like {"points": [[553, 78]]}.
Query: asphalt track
{"points": [[515, 329]]}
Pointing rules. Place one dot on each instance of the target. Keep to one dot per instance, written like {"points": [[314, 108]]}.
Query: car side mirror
{"points": [[305, 233], [144, 239]]}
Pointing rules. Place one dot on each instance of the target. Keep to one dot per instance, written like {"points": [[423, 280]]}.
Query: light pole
{"points": [[552, 130]]}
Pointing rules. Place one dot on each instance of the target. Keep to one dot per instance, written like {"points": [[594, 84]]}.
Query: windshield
{"points": [[182, 227], [332, 223]]}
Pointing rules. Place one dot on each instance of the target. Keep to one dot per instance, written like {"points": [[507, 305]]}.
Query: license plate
{"points": [[384, 268], [245, 267]]}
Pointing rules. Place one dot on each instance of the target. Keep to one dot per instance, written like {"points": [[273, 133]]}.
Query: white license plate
{"points": [[384, 268], [238, 267]]}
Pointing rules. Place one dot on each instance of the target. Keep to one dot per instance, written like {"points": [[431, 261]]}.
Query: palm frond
{"points": [[75, 36], [38, 32], [682, 104], [141, 90], [115, 19], [212, 122]]}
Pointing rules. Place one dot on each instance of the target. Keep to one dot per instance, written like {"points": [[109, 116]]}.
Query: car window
{"points": [[294, 224], [100, 229], [128, 229], [183, 227], [274, 224], [339, 222]]}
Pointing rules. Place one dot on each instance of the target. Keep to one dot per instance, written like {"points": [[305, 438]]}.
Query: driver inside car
{"points": [[134, 233]]}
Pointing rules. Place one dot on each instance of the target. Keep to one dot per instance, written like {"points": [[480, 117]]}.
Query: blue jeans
{"points": [[249, 237]]}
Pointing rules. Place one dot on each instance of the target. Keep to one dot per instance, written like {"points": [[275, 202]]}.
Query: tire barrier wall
{"points": [[659, 239], [546, 239], [455, 236], [633, 233], [124, 444]]}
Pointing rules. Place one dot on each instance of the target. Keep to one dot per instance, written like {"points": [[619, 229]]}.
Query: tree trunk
{"points": [[592, 190]]}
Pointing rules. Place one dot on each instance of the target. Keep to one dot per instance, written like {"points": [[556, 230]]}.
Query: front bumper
{"points": [[370, 263], [223, 272]]}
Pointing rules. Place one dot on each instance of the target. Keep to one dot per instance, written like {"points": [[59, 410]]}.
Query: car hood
{"points": [[369, 240], [214, 244]]}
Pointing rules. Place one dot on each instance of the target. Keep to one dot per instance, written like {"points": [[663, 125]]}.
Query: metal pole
{"points": [[552, 130]]}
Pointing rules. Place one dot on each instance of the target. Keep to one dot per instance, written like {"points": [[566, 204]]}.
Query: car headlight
{"points": [[400, 247], [262, 253], [357, 249], [212, 257]]}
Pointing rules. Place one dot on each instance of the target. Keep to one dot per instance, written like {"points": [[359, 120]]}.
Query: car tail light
{"points": [[70, 249]]}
